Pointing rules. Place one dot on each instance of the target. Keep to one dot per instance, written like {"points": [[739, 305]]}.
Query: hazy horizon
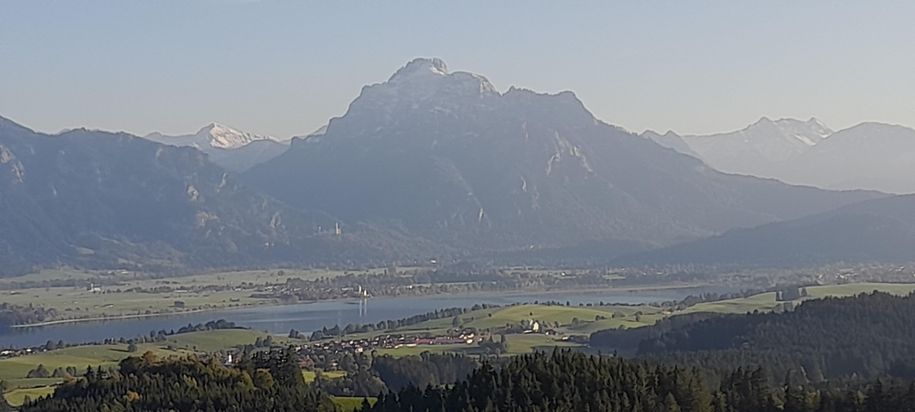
{"points": [[284, 69]]}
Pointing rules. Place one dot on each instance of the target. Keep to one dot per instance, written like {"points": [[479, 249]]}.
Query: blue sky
{"points": [[285, 67]]}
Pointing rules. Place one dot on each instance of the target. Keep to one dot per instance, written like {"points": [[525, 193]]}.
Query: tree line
{"points": [[865, 336], [265, 381], [566, 381]]}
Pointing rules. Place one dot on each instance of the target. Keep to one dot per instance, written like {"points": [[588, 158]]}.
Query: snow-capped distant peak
{"points": [[224, 137], [808, 133], [753, 149], [211, 136]]}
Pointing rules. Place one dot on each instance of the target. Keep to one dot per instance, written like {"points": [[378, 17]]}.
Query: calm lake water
{"points": [[312, 316]]}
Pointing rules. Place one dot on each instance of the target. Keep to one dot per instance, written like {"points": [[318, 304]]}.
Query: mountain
{"points": [[211, 136], [870, 155], [445, 156], [880, 230], [760, 148], [232, 149], [95, 199]]}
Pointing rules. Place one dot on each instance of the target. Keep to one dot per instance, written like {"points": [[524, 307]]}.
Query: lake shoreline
{"points": [[631, 289]]}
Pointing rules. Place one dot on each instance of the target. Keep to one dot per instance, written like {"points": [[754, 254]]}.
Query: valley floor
{"points": [[558, 326], [121, 297]]}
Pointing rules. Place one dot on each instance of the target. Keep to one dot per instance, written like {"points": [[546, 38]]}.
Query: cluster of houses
{"points": [[12, 353], [15, 352], [392, 341]]}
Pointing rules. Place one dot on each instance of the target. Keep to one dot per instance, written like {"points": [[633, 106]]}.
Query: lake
{"points": [[308, 317]]}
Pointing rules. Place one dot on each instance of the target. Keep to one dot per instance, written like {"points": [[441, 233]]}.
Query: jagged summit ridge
{"points": [[756, 148], [424, 80], [809, 133], [420, 67], [434, 72], [425, 85]]}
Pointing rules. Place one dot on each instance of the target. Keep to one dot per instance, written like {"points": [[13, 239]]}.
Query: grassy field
{"points": [[521, 344], [761, 302], [18, 396], [766, 301], [13, 371], [517, 344], [348, 404], [852, 289], [215, 340], [648, 317], [564, 315], [52, 274], [23, 382], [310, 376], [272, 276], [549, 314], [232, 278], [76, 303]]}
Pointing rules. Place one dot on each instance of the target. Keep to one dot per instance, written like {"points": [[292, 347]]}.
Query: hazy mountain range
{"points": [[878, 230], [433, 163], [227, 147], [870, 156], [96, 199]]}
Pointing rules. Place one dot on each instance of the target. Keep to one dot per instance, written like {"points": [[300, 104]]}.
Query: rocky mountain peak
{"points": [[420, 67], [425, 79]]}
